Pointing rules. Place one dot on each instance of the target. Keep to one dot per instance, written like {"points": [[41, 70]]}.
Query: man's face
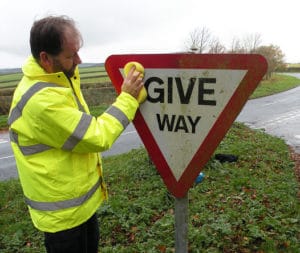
{"points": [[67, 60]]}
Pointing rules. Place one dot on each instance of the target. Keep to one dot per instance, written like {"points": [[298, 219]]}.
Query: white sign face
{"points": [[192, 101], [185, 103]]}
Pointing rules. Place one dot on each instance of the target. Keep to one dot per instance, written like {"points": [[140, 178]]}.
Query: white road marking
{"points": [[130, 132], [285, 117], [6, 157]]}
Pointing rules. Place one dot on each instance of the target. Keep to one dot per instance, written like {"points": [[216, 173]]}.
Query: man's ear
{"points": [[46, 61]]}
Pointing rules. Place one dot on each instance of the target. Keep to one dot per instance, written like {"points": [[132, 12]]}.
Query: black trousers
{"points": [[81, 239]]}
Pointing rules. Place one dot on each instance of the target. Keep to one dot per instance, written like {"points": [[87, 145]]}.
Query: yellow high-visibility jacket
{"points": [[56, 143]]}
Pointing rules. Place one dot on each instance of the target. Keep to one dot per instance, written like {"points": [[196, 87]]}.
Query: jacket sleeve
{"points": [[55, 121], [105, 129]]}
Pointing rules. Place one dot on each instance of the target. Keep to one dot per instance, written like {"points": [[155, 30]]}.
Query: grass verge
{"points": [[247, 206], [278, 83]]}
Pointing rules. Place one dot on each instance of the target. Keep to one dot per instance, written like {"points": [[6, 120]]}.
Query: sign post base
{"points": [[181, 224]]}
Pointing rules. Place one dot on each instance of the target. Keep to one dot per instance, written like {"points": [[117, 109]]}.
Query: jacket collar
{"points": [[33, 70]]}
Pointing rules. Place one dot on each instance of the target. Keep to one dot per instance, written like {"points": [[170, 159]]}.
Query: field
{"points": [[294, 65], [94, 80], [91, 74]]}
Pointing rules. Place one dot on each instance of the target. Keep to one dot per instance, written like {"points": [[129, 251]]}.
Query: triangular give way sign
{"points": [[193, 99]]}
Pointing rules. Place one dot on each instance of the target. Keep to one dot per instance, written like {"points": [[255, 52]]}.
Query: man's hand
{"points": [[133, 83]]}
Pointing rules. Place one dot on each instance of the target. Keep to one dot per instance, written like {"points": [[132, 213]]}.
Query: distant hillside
{"points": [[17, 70], [10, 71], [87, 65]]}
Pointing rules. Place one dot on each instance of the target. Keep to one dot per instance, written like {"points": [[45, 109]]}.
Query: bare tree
{"points": [[252, 42], [236, 47], [215, 47], [199, 40]]}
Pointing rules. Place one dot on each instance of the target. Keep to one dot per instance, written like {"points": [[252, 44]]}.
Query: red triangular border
{"points": [[256, 66]]}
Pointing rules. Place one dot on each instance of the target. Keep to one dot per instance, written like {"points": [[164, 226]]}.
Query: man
{"points": [[56, 141]]}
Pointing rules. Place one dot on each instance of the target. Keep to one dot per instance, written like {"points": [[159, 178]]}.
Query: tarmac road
{"points": [[278, 115], [128, 140]]}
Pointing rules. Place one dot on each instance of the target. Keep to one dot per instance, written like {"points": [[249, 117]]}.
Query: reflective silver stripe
{"points": [[79, 132], [13, 137], [119, 115], [34, 149], [58, 205], [80, 106], [37, 148], [28, 150], [17, 110]]}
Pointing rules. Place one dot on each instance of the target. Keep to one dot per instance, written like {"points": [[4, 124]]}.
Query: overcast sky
{"points": [[154, 26]]}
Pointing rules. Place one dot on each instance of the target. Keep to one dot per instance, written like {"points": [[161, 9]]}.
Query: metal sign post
{"points": [[181, 224]]}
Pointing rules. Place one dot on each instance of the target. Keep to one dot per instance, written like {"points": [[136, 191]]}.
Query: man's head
{"points": [[55, 42]]}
